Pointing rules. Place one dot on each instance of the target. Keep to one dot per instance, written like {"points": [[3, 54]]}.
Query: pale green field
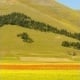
{"points": [[39, 75], [45, 44]]}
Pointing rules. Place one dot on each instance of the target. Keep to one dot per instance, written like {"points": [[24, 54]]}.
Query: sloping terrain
{"points": [[45, 44]]}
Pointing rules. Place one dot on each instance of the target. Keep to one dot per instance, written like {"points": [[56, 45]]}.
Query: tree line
{"points": [[75, 45], [25, 21]]}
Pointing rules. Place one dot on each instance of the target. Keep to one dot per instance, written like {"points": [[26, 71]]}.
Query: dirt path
{"points": [[44, 59]]}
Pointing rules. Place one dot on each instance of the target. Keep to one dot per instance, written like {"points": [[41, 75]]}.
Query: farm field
{"points": [[40, 71], [39, 74]]}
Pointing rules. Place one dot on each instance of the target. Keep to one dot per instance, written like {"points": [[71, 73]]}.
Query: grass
{"points": [[39, 75], [58, 14], [46, 14], [45, 44]]}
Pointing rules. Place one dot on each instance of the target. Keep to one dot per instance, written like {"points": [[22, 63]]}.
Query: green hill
{"points": [[46, 44]]}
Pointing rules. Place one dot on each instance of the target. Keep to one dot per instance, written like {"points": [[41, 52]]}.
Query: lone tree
{"points": [[24, 36]]}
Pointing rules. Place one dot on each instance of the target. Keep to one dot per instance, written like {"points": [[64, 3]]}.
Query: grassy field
{"points": [[39, 75], [45, 44]]}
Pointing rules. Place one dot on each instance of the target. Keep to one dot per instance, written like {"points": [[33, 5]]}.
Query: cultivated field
{"points": [[39, 74]]}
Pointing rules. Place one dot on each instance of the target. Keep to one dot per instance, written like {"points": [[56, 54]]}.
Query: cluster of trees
{"points": [[24, 36], [75, 45], [14, 19], [69, 34], [25, 21]]}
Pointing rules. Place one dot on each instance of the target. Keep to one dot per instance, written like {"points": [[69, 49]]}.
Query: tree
{"points": [[24, 36], [66, 44]]}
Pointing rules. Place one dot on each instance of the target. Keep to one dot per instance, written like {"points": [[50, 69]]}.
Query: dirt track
{"points": [[41, 67]]}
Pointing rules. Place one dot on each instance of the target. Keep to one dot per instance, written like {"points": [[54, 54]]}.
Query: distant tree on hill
{"points": [[24, 36], [66, 44], [75, 45]]}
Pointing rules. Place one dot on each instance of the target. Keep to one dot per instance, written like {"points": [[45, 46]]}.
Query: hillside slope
{"points": [[57, 11], [45, 44]]}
